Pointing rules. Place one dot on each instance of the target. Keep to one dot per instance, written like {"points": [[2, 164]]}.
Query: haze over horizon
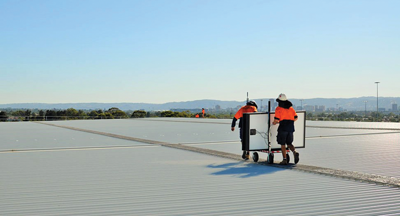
{"points": [[244, 99], [135, 51]]}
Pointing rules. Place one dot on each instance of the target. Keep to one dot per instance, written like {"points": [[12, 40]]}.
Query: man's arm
{"points": [[276, 117], [235, 118], [233, 124], [295, 115]]}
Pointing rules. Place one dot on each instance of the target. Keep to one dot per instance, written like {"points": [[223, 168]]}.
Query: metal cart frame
{"points": [[267, 148]]}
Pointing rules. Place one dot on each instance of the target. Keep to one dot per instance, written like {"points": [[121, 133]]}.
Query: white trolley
{"points": [[259, 134]]}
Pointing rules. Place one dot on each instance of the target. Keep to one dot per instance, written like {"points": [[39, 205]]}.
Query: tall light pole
{"points": [[377, 96]]}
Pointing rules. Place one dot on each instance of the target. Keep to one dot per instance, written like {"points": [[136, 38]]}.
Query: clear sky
{"points": [[157, 51]]}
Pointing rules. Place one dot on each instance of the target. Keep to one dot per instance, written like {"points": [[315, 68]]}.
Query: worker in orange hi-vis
{"points": [[197, 115], [285, 116], [251, 106], [203, 112]]}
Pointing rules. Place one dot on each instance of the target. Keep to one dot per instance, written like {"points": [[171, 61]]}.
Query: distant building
{"points": [[320, 108], [331, 109], [273, 104], [394, 107], [313, 108], [309, 108]]}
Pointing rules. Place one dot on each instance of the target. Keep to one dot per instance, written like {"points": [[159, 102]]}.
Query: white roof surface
{"points": [[58, 171]]}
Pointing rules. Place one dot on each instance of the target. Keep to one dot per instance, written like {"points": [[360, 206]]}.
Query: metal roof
{"points": [[58, 171]]}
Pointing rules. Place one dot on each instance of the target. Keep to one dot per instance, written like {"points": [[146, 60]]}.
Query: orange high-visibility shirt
{"points": [[285, 114], [245, 109], [286, 118], [239, 114]]}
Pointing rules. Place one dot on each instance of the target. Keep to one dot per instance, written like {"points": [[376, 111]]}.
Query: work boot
{"points": [[296, 157], [244, 155], [284, 162], [247, 155]]}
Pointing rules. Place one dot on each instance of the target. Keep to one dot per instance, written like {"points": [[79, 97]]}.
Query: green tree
{"points": [[108, 115], [94, 114], [61, 114], [138, 114], [183, 114], [101, 116], [113, 109], [82, 114], [19, 113], [71, 113], [51, 115], [3, 116], [117, 113], [167, 113], [28, 113], [309, 116]]}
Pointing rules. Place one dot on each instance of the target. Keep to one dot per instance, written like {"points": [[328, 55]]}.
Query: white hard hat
{"points": [[282, 97]]}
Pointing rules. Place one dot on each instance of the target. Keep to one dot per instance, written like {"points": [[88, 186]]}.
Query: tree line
{"points": [[116, 113], [73, 114], [67, 114]]}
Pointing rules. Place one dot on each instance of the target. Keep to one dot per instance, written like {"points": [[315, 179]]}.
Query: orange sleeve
{"points": [[294, 113], [239, 114]]}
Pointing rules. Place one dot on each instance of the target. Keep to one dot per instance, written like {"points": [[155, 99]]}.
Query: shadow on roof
{"points": [[243, 170]]}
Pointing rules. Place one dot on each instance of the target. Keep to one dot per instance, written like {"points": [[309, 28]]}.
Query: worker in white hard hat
{"points": [[285, 116]]}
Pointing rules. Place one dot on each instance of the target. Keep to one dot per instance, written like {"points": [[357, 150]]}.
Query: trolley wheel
{"points": [[255, 157], [271, 158], [287, 158]]}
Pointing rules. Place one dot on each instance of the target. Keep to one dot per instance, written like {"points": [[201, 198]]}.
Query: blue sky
{"points": [[157, 51]]}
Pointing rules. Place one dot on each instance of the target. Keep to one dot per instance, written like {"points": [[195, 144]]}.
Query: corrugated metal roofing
{"points": [[145, 179], [28, 135], [369, 151]]}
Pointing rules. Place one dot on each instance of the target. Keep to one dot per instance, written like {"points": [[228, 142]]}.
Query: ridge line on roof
{"points": [[357, 176]]}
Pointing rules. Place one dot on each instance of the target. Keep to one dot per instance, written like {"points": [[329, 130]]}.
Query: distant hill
{"points": [[346, 103], [127, 106]]}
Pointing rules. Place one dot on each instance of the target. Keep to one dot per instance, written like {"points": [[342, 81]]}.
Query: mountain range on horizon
{"points": [[350, 104]]}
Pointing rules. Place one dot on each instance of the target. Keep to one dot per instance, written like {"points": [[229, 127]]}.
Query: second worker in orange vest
{"points": [[285, 115], [251, 106]]}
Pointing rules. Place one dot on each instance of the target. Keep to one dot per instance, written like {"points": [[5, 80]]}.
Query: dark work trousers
{"points": [[241, 137]]}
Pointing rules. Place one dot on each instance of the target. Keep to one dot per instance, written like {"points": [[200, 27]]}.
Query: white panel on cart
{"points": [[258, 127]]}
